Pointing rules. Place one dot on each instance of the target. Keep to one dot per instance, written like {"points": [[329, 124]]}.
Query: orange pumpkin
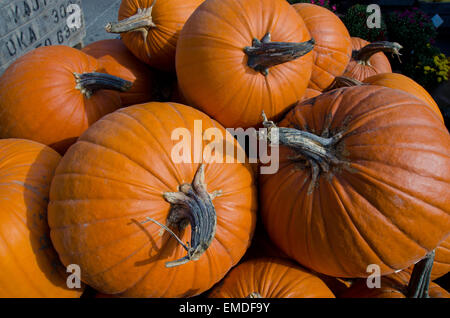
{"points": [[248, 56], [29, 266], [53, 93], [310, 93], [399, 81], [121, 171], [369, 166], [333, 48], [150, 28], [441, 264], [368, 58], [392, 80], [270, 278], [392, 286], [117, 60]]}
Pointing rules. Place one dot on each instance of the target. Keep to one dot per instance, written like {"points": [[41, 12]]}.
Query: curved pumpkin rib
{"points": [[352, 222]]}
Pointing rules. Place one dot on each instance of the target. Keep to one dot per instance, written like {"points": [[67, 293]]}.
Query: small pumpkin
{"points": [[150, 28], [117, 60], [392, 80], [246, 56], [270, 278], [360, 168], [29, 265], [333, 48], [368, 58], [53, 93], [121, 192]]}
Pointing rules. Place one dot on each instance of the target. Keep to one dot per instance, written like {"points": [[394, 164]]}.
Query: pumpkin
{"points": [[310, 93], [150, 28], [117, 60], [392, 286], [29, 266], [333, 48], [360, 167], [368, 58], [237, 57], [53, 93], [441, 264], [392, 80], [270, 278], [120, 193]]}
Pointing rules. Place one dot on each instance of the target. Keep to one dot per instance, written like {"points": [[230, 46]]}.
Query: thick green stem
{"points": [[89, 83], [194, 205], [364, 54], [264, 54], [420, 277]]}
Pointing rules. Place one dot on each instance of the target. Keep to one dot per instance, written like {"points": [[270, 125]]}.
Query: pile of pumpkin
{"points": [[87, 174]]}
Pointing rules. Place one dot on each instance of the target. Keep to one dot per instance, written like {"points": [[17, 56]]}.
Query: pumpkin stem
{"points": [[364, 54], [344, 81], [193, 204], [254, 295], [420, 277], [89, 83], [264, 54], [141, 20], [319, 151]]}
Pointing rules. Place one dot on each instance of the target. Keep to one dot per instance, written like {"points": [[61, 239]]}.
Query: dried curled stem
{"points": [[193, 204], [140, 22], [89, 83], [365, 53], [317, 150], [264, 53]]}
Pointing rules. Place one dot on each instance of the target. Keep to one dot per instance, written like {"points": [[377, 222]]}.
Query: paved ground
{"points": [[97, 13]]}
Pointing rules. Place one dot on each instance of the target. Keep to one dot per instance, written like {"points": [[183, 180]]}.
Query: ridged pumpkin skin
{"points": [[441, 265], [270, 278], [391, 184], [392, 286], [169, 17], [333, 48], [310, 93], [379, 63], [116, 59], [404, 83], [39, 99], [115, 176], [212, 66], [29, 266]]}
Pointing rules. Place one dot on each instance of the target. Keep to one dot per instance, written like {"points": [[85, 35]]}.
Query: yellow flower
{"points": [[427, 68]]}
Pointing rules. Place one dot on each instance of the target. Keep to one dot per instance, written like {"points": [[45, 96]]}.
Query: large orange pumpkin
{"points": [[29, 266], [392, 80], [365, 181], [117, 60], [333, 48], [53, 93], [122, 171], [368, 58], [270, 278], [150, 28], [237, 57]]}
